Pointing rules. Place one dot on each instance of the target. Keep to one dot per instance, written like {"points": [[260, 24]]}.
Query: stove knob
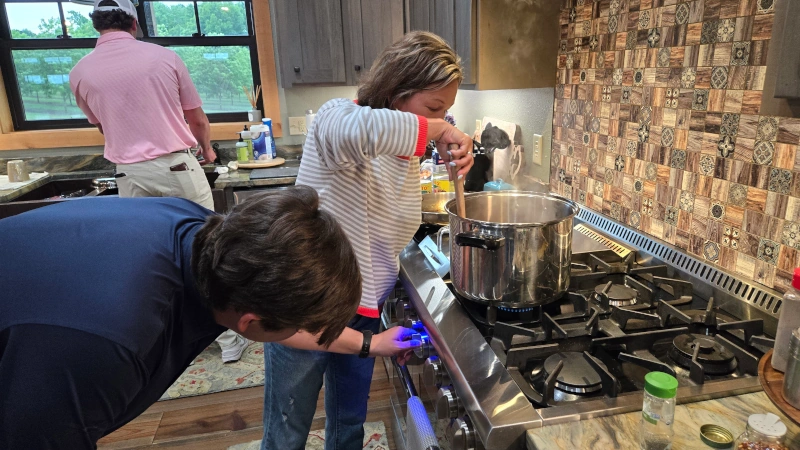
{"points": [[425, 349], [405, 312], [413, 323], [434, 373], [461, 435], [446, 403]]}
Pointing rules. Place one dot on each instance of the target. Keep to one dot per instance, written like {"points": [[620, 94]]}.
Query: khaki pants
{"points": [[154, 179]]}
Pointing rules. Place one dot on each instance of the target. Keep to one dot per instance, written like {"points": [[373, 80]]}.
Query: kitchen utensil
{"points": [[433, 207], [791, 381], [459, 186], [438, 260], [261, 164], [513, 249], [17, 171]]}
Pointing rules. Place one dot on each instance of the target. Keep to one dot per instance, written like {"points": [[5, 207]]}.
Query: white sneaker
{"points": [[234, 352]]}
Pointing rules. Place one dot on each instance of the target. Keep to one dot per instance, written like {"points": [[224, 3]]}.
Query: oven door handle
{"points": [[405, 378]]}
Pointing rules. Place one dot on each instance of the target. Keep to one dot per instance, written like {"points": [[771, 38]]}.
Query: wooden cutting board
{"points": [[261, 164], [772, 382]]}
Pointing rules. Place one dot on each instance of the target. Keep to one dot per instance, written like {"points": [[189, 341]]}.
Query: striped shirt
{"points": [[359, 161]]}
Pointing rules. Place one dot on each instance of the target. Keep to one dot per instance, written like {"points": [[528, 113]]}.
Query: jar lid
{"points": [[660, 384], [768, 424]]}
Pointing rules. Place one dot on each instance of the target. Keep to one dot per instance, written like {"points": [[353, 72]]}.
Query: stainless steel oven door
{"points": [[412, 414]]}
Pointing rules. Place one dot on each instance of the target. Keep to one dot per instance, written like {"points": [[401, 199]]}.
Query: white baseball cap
{"points": [[127, 6]]}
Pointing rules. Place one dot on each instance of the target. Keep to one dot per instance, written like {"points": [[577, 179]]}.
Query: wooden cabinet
{"points": [[502, 45], [370, 26], [310, 41], [332, 42]]}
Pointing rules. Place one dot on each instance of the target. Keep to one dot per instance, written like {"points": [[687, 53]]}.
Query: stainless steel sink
{"points": [[57, 191]]}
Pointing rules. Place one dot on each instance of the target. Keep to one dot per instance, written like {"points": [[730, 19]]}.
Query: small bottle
{"points": [[248, 138], [764, 431], [658, 411], [242, 153], [270, 140], [788, 321]]}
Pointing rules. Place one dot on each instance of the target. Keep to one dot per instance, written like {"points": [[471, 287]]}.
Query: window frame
{"points": [[14, 95]]}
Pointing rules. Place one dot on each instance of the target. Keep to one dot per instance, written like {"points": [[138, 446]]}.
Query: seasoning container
{"points": [[788, 321], [17, 171], [791, 380], [658, 411], [763, 432]]}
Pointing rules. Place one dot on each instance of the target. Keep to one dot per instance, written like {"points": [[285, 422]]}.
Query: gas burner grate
{"points": [[761, 298]]}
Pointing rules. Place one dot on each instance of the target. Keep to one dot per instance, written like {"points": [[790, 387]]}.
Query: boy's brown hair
{"points": [[279, 256]]}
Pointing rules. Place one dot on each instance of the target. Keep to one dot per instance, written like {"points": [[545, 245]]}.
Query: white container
{"points": [[262, 142], [763, 431], [254, 115], [788, 321]]}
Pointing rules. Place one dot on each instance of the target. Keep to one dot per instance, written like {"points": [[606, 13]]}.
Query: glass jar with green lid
{"points": [[658, 411]]}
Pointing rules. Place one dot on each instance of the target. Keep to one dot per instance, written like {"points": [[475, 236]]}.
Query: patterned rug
{"points": [[374, 439], [208, 375]]}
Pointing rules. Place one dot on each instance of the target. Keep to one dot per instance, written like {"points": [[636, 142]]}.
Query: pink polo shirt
{"points": [[137, 91]]}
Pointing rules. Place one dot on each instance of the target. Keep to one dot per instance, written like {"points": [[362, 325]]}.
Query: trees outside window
{"points": [[41, 41]]}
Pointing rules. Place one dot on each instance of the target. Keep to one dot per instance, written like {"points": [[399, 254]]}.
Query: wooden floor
{"points": [[217, 421]]}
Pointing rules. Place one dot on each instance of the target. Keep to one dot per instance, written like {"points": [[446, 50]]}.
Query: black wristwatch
{"points": [[365, 346]]}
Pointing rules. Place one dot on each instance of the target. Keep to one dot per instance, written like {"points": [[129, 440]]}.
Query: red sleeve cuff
{"points": [[368, 312], [422, 139]]}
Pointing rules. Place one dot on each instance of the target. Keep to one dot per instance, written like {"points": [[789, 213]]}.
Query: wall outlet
{"points": [[297, 126], [538, 148]]}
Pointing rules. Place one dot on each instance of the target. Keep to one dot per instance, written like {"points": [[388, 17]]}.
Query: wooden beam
{"points": [[88, 137], [266, 65], [6, 122]]}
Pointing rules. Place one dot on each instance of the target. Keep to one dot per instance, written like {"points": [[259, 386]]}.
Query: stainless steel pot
{"points": [[513, 249], [433, 207]]}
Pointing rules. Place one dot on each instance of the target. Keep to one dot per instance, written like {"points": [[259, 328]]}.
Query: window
{"points": [[41, 41]]}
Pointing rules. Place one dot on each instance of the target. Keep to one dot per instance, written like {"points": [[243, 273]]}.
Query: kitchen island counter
{"points": [[622, 431]]}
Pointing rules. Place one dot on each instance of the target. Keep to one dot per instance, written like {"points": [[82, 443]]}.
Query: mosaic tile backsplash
{"points": [[656, 124]]}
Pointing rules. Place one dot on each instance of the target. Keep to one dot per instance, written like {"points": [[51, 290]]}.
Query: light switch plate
{"points": [[538, 143], [297, 126]]}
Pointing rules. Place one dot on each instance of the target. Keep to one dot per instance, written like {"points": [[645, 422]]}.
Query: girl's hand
{"points": [[446, 136]]}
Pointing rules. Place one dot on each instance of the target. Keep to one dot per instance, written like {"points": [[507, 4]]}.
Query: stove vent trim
{"points": [[750, 293]]}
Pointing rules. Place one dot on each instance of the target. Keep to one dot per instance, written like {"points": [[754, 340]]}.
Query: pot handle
{"points": [[442, 231], [477, 240]]}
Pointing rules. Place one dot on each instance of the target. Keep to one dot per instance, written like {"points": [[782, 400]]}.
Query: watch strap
{"points": [[366, 344]]}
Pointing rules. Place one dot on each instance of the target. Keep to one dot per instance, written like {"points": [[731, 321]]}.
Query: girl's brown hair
{"points": [[417, 62]]}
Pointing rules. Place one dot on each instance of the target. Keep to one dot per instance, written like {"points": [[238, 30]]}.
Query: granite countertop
{"points": [[622, 431], [241, 178]]}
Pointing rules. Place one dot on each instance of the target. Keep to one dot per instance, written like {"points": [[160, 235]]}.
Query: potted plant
{"points": [[254, 115]]}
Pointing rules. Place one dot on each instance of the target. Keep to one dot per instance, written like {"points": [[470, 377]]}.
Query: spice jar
{"points": [[763, 432]]}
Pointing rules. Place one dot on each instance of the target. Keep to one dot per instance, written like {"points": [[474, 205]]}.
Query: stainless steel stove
{"points": [[485, 375]]}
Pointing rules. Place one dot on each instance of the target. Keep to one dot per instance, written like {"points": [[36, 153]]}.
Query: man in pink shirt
{"points": [[140, 96]]}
